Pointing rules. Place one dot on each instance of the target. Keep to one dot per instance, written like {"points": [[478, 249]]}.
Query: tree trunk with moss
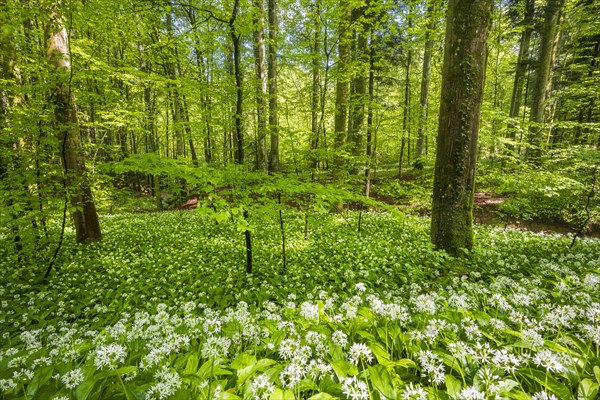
{"points": [[87, 227], [460, 105]]}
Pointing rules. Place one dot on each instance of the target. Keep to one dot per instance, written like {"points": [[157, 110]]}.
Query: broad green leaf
{"points": [[366, 335], [243, 360], [450, 361], [192, 364], [588, 389], [182, 394], [208, 370], [279, 394], [85, 388], [453, 386], [380, 352], [518, 395], [321, 396], [306, 384], [382, 382], [548, 382], [40, 378], [328, 385], [193, 380], [505, 386], [229, 396], [404, 363], [343, 368]]}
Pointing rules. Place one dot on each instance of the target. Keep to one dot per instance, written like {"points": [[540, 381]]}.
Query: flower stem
{"points": [[123, 385]]}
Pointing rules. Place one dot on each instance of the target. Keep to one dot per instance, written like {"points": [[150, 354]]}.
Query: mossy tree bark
{"points": [[87, 226], [460, 104]]}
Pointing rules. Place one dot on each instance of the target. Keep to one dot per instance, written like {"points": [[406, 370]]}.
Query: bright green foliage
{"points": [[558, 193]]}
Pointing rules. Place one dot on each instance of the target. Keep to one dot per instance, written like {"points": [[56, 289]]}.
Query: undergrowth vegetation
{"points": [[563, 190], [162, 308]]}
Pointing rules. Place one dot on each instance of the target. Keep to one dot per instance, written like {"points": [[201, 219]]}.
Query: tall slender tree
{"points": [[273, 117], [521, 67], [342, 87], [237, 72], [359, 82], [406, 126], [262, 84], [87, 226], [549, 30], [462, 90], [425, 79], [316, 83]]}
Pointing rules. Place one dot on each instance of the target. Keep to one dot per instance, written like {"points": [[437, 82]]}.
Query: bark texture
{"points": [[462, 90], [425, 78], [273, 118], [359, 83], [543, 75], [342, 88], [238, 134], [261, 90], [521, 67], [87, 226], [316, 84]]}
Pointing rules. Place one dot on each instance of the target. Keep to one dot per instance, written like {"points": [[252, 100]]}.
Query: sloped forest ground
{"points": [[163, 308]]}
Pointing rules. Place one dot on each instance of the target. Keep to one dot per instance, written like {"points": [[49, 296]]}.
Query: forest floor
{"points": [[485, 211], [163, 308]]}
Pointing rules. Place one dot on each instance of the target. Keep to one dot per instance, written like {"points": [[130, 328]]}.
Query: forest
{"points": [[300, 199]]}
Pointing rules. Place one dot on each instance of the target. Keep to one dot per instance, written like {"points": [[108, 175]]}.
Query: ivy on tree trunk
{"points": [[460, 104]]}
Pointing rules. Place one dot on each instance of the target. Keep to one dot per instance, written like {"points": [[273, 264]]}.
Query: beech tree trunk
{"points": [[189, 133], [237, 71], [341, 90], [462, 90], [370, 144], [357, 120], [175, 98], [316, 79], [261, 89], [543, 76], [273, 119], [87, 226], [150, 137], [425, 78], [521, 67], [406, 111]]}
